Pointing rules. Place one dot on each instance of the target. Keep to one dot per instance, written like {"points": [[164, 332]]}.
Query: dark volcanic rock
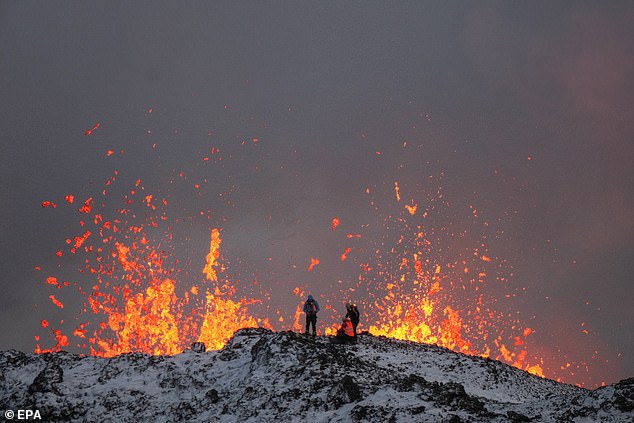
{"points": [[453, 395], [263, 376], [212, 396], [624, 395], [261, 352], [199, 347], [411, 382], [344, 392], [47, 380], [517, 417], [371, 414]]}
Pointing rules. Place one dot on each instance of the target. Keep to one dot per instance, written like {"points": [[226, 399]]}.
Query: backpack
{"points": [[311, 308]]}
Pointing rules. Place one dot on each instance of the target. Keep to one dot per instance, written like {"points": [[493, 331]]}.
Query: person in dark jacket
{"points": [[352, 312], [311, 308]]}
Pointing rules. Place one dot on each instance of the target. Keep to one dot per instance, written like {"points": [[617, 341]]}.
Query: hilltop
{"points": [[265, 376]]}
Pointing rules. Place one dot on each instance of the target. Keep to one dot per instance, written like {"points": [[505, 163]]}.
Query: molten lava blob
{"points": [[313, 262]]}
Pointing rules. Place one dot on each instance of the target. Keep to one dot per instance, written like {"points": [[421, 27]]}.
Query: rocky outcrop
{"points": [[264, 376]]}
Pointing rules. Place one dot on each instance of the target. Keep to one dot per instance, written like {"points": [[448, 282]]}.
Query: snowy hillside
{"points": [[263, 376]]}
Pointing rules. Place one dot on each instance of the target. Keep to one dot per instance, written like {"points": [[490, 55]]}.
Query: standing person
{"points": [[311, 308], [352, 312]]}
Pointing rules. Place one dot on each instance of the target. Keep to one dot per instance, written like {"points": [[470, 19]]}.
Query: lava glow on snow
{"points": [[416, 280]]}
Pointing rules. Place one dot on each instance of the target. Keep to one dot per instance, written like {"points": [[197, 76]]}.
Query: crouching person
{"points": [[345, 334]]}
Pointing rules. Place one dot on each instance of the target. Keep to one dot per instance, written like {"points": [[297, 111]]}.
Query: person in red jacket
{"points": [[346, 332]]}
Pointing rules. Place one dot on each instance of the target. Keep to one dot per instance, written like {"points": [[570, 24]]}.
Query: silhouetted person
{"points": [[311, 308], [352, 312]]}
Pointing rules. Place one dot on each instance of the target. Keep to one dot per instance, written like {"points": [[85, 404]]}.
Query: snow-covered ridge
{"points": [[264, 376]]}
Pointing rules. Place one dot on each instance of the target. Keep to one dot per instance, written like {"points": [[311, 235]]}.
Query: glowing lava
{"points": [[136, 304], [414, 279], [139, 303], [154, 321]]}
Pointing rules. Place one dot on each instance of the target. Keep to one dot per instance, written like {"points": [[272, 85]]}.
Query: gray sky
{"points": [[522, 110]]}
